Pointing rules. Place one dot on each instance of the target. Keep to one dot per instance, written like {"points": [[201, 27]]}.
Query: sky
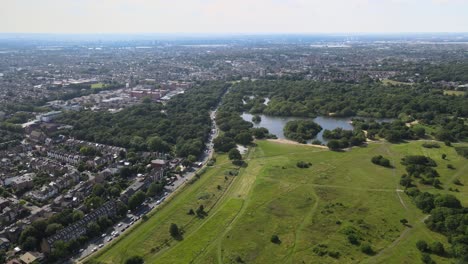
{"points": [[232, 16]]}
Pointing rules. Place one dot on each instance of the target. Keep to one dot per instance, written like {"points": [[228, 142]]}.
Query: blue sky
{"points": [[233, 16]]}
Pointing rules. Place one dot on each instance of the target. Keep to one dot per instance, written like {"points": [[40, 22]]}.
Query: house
{"points": [[48, 117], [22, 182], [30, 257], [79, 228], [4, 203], [158, 163], [4, 243], [37, 136]]}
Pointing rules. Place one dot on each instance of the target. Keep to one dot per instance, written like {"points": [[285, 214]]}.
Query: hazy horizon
{"points": [[233, 17]]}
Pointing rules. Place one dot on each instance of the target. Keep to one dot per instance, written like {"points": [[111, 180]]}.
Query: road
{"points": [[98, 243], [206, 156]]}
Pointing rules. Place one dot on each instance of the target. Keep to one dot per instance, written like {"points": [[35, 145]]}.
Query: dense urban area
{"points": [[117, 151]]}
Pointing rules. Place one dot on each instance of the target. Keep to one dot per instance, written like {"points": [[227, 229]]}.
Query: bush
{"points": [[426, 258], [450, 166], [367, 249], [334, 254], [437, 248], [134, 260], [174, 230], [302, 164], [422, 245], [275, 239], [353, 239], [430, 145], [380, 160], [457, 181]]}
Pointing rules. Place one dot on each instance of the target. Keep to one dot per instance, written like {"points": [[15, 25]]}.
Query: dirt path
{"points": [[290, 142]]}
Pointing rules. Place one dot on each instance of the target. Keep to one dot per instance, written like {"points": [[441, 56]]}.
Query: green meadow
{"points": [[322, 214]]}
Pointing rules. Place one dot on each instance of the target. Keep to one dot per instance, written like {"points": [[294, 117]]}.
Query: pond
{"points": [[276, 124]]}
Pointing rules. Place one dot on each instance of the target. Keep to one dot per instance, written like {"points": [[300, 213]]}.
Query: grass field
{"points": [[392, 82], [311, 210], [97, 86], [453, 92]]}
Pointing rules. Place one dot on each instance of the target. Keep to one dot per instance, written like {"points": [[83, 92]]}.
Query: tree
{"points": [[234, 154], [256, 119], [422, 245], [404, 221], [174, 230], [367, 249], [29, 243], [426, 258], [77, 215], [93, 229], [201, 211], [444, 156], [244, 138], [447, 200], [333, 144], [134, 260], [99, 190], [157, 144], [136, 200], [154, 189], [223, 144], [53, 228], [437, 248], [419, 131]]}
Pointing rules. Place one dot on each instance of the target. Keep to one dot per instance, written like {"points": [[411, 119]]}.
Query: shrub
{"points": [[353, 239], [134, 260], [302, 164], [367, 249], [275, 239], [422, 245], [380, 160], [334, 254], [437, 248], [426, 258], [430, 145]]}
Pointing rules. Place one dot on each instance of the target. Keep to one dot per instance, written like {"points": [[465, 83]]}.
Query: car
{"points": [[103, 235], [95, 249], [81, 250], [101, 245], [119, 225], [158, 201], [109, 239]]}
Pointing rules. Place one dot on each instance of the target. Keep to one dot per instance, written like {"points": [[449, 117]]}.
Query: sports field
{"points": [[314, 211]]}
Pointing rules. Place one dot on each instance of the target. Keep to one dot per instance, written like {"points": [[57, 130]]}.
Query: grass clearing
{"points": [[313, 211], [392, 82], [98, 85], [454, 92]]}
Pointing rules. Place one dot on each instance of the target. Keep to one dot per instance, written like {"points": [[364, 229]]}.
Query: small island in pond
{"points": [[301, 130]]}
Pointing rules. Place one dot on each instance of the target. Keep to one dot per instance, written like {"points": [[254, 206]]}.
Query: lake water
{"points": [[276, 124]]}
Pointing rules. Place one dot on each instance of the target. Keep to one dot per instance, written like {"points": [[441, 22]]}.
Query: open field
{"points": [[313, 211], [453, 92], [392, 82], [97, 86]]}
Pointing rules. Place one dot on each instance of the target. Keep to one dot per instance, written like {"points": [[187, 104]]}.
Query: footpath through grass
{"points": [[321, 214]]}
